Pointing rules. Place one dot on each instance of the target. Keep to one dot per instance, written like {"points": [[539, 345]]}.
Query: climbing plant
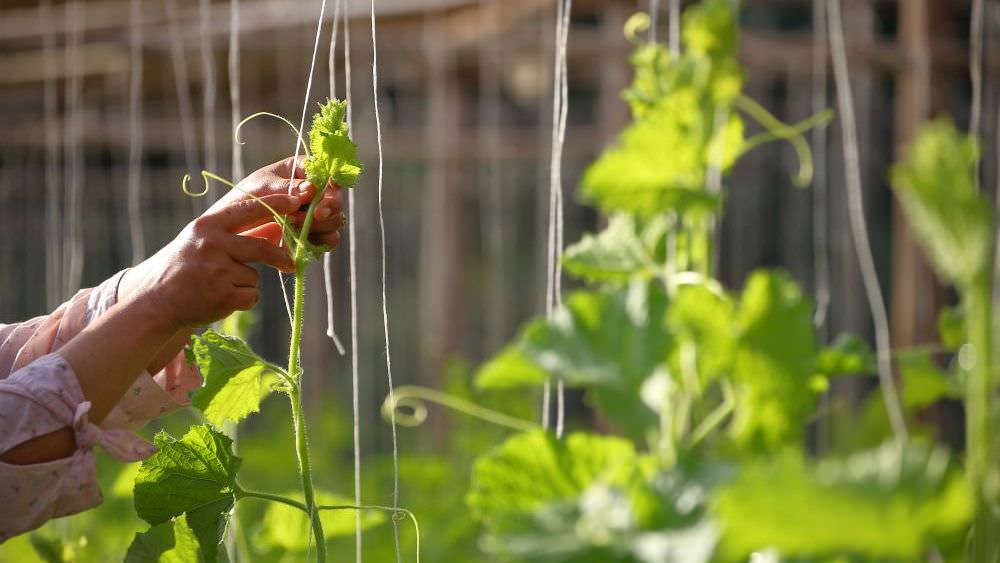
{"points": [[710, 389], [188, 488]]}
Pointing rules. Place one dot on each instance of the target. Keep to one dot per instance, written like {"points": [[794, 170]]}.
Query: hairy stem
{"points": [[302, 259], [983, 475]]}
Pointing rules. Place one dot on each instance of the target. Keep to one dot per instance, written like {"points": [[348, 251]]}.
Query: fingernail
{"points": [[304, 187], [323, 213]]}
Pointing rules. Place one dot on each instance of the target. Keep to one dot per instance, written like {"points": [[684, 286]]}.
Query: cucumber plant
{"points": [[188, 488], [710, 390]]}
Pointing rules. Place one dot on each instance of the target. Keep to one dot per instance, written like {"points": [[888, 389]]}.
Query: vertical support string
{"points": [[179, 63], [859, 230], [209, 92], [234, 87], [53, 215], [73, 235], [233, 547], [821, 251], [675, 27], [135, 150], [560, 108], [353, 255], [654, 19], [976, 36], [385, 307], [331, 332], [294, 168]]}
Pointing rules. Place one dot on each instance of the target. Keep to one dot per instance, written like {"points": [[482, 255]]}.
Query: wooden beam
{"points": [[916, 294]]}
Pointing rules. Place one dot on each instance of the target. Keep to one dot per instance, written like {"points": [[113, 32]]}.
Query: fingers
{"points": [[243, 298], [283, 167], [248, 213], [331, 240], [270, 232], [244, 276], [256, 250]]}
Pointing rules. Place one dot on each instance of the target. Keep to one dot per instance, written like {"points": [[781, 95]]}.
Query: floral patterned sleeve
{"points": [[39, 394]]}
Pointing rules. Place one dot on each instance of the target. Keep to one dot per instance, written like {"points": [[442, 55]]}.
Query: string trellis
{"points": [[560, 111], [859, 230]]}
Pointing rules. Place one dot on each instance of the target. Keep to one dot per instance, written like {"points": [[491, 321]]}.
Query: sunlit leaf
{"points": [[187, 474], [334, 157], [936, 185], [701, 324], [616, 254], [608, 342], [881, 505], [775, 362], [510, 369], [236, 378], [169, 542]]}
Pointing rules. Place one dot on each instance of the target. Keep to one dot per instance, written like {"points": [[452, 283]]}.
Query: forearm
{"points": [[106, 357]]}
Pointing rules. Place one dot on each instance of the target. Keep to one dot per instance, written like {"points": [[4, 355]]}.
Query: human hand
{"points": [[328, 216], [203, 275]]}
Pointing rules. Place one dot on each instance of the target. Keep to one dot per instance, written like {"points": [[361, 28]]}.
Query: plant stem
{"points": [[984, 477], [240, 494], [302, 259]]}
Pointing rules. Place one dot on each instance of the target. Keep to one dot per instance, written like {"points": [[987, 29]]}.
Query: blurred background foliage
{"points": [[466, 93]]}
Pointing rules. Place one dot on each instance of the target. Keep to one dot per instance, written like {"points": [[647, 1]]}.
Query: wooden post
{"points": [[916, 294], [441, 277]]}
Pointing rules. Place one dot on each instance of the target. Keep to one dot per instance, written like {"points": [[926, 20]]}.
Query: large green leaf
{"points": [[532, 469], [236, 379], [775, 362], [287, 527], [609, 342], [659, 163], [169, 542], [616, 254], [701, 324], [880, 505], [936, 185], [195, 472], [684, 123], [586, 499], [510, 369]]}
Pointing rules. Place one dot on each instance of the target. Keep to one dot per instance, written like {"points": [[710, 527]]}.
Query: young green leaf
{"points": [[197, 471], [848, 355], [936, 185], [879, 505], [236, 379], [334, 156]]}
